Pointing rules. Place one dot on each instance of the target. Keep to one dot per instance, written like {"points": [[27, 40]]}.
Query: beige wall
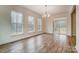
{"points": [[6, 26], [44, 24]]}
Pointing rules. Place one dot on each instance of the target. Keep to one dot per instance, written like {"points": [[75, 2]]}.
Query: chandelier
{"points": [[46, 12]]}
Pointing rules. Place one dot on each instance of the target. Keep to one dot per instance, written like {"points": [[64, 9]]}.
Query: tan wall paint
{"points": [[44, 24]]}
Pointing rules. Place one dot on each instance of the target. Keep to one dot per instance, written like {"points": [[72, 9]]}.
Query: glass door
{"points": [[60, 26]]}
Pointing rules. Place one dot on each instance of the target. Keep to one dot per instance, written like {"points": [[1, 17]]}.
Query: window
{"points": [[31, 23], [39, 24], [16, 22]]}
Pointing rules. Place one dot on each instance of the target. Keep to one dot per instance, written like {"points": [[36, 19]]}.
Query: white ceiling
{"points": [[51, 9]]}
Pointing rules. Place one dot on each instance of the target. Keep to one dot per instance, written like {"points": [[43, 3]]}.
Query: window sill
{"points": [[31, 31], [39, 30], [15, 34]]}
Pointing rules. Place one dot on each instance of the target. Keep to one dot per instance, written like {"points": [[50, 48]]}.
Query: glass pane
{"points": [[13, 22], [31, 27], [13, 17], [57, 25], [60, 26], [39, 24], [13, 27], [31, 23], [19, 27], [19, 18], [19, 22]]}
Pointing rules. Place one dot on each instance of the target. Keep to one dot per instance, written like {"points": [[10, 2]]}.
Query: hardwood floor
{"points": [[44, 43]]}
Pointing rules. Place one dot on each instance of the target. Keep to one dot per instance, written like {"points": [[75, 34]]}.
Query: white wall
{"points": [[77, 28]]}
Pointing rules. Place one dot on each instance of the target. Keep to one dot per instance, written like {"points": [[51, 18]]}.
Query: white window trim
{"points": [[17, 33]]}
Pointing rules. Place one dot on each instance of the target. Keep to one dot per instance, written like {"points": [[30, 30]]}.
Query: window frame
{"points": [[33, 24], [17, 15]]}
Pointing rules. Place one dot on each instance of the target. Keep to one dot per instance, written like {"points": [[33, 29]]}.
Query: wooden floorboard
{"points": [[45, 43]]}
